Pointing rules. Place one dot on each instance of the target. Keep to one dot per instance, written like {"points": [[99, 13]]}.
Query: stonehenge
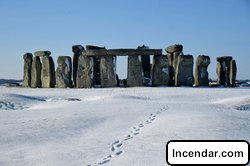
{"points": [[95, 66], [28, 58], [201, 73], [64, 72], [226, 71]]}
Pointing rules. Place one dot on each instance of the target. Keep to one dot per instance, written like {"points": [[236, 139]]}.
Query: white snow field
{"points": [[114, 126]]}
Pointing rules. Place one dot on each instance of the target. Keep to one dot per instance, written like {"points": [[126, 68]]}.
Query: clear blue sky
{"points": [[211, 27]]}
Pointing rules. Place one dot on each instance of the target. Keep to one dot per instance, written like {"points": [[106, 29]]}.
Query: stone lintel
{"points": [[122, 52]]}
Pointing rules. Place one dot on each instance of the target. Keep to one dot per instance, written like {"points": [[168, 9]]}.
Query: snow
{"points": [[114, 126]]}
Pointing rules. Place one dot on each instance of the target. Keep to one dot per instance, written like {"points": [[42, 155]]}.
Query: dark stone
{"points": [[36, 72], [42, 53], [135, 71], [27, 69], [160, 71], [233, 72], [224, 58], [108, 71], [84, 72], [174, 48], [223, 70], [77, 50], [48, 72], [184, 72], [64, 72], [201, 73], [91, 47]]}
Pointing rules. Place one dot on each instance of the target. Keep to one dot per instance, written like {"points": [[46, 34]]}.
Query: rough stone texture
{"points": [[48, 72], [42, 53], [91, 47], [64, 72], [135, 71], [108, 71], [145, 62], [84, 72], [172, 61], [201, 73], [223, 70], [184, 72], [27, 69], [36, 72], [77, 50], [174, 48], [160, 71], [233, 72]]}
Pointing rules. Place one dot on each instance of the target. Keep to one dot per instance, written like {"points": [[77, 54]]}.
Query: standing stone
{"points": [[201, 73], [160, 71], [96, 65], [233, 72], [223, 70], [146, 67], [48, 72], [27, 69], [184, 72], [84, 78], [64, 72], [173, 52], [77, 50], [108, 71], [135, 71], [36, 73]]}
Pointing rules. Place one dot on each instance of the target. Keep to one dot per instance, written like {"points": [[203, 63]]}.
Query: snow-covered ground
{"points": [[114, 126]]}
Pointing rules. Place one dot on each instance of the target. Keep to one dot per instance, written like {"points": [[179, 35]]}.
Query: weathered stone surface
{"points": [[42, 53], [145, 62], [84, 72], [224, 58], [174, 48], [184, 72], [91, 47], [36, 72], [223, 70], [233, 72], [122, 52], [172, 61], [160, 71], [48, 72], [64, 72], [27, 69], [135, 71], [201, 73], [77, 50], [108, 71]]}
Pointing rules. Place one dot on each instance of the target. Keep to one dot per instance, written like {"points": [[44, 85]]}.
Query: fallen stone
{"points": [[27, 69], [64, 72], [201, 73], [184, 72], [160, 71]]}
